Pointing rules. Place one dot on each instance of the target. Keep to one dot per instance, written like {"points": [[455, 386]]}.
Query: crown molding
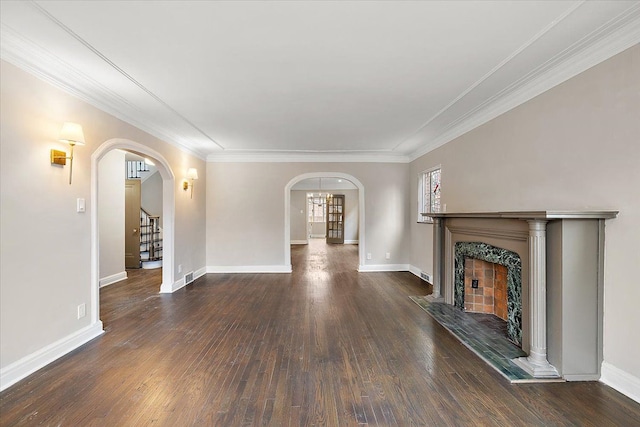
{"points": [[609, 40], [612, 38], [37, 61], [305, 157]]}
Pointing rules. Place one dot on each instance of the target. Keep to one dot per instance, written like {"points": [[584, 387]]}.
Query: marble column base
{"points": [[432, 298], [536, 370]]}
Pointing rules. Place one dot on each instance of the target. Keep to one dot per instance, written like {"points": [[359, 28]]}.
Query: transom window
{"points": [[429, 193]]}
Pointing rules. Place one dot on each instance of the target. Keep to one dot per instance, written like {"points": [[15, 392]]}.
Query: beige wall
{"points": [[45, 245], [111, 213], [351, 214], [245, 210], [298, 215], [576, 146]]}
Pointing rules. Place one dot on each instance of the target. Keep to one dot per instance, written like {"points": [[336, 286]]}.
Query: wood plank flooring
{"points": [[323, 346]]}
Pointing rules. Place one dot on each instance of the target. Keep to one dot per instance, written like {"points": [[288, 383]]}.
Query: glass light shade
{"points": [[71, 133], [192, 173]]}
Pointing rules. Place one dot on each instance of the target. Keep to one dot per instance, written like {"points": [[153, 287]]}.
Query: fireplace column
{"points": [[536, 363], [438, 261]]}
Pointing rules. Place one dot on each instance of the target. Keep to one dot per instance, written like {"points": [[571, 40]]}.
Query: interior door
{"points": [[335, 218], [132, 223]]}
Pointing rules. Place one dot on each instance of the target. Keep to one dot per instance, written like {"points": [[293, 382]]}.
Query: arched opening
{"points": [[168, 213], [287, 213]]}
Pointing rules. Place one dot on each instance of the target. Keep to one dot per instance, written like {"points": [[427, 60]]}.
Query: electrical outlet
{"points": [[387, 255], [368, 256], [82, 311], [179, 268], [474, 283]]}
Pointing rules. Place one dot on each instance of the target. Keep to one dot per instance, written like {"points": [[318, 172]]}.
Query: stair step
{"points": [[150, 265]]}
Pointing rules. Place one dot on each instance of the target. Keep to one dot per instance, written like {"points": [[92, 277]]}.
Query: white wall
{"points": [[576, 146], [39, 295], [245, 211], [111, 216]]}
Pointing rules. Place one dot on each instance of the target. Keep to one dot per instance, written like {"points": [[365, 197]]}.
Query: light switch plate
{"points": [[80, 205]]}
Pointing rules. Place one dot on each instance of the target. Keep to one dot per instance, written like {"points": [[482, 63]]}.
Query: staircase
{"points": [[150, 241]]}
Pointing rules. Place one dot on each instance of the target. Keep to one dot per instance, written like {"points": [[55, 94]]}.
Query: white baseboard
{"points": [[414, 270], [593, 377], [199, 272], [418, 272], [114, 278], [179, 284], [620, 380], [24, 367], [249, 269], [383, 267], [320, 236]]}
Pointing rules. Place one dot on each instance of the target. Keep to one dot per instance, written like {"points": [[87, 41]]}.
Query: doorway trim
{"points": [[287, 213], [168, 214]]}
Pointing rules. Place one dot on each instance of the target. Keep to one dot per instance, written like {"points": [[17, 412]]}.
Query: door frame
{"points": [[129, 202], [168, 214], [287, 213]]}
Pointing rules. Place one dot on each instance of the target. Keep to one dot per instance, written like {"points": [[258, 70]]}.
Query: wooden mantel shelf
{"points": [[528, 215]]}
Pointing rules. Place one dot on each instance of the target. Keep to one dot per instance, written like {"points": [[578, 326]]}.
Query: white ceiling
{"points": [[309, 81]]}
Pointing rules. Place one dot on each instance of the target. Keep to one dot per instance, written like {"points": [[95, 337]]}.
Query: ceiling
{"points": [[311, 81]]}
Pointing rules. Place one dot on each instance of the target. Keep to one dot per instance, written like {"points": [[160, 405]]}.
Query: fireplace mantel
{"points": [[562, 283], [528, 215]]}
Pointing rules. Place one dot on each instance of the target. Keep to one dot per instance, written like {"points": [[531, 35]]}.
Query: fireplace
{"points": [[485, 288], [498, 290], [554, 297]]}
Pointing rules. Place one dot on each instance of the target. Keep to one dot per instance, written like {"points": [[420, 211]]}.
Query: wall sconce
{"points": [[72, 134], [192, 174]]}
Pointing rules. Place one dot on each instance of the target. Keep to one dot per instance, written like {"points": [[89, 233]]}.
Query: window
{"points": [[316, 208], [429, 193]]}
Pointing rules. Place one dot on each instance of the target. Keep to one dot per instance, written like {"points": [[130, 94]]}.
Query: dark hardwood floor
{"points": [[322, 346]]}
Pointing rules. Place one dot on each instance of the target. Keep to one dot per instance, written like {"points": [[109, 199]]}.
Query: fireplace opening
{"points": [[485, 288], [488, 283]]}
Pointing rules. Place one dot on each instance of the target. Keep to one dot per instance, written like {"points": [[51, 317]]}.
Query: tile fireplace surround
{"points": [[562, 254]]}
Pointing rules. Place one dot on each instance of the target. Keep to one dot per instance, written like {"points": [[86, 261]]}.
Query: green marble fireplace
{"points": [[493, 254]]}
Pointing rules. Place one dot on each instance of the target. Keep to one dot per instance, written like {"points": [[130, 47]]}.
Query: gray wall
{"points": [[574, 147]]}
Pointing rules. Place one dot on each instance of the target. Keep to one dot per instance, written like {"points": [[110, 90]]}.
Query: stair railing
{"points": [[150, 234]]}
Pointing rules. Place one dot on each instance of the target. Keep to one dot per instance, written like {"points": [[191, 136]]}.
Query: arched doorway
{"points": [[168, 213], [287, 213]]}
